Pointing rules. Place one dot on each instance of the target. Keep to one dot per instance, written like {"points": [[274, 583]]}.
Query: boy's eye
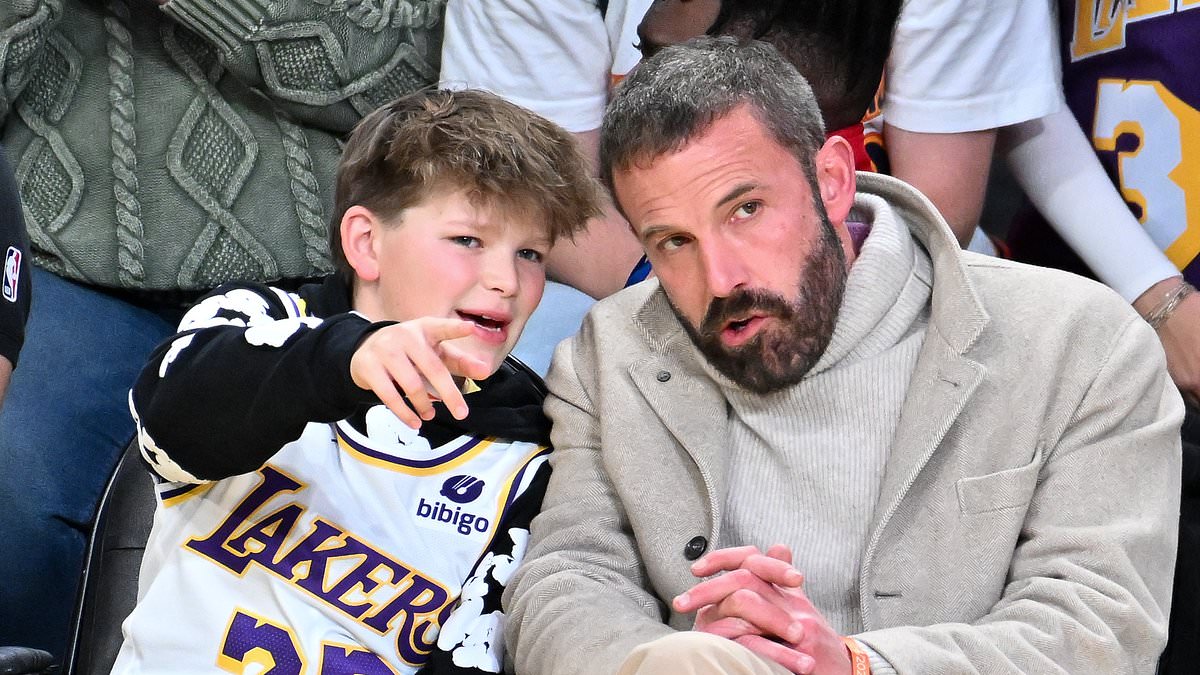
{"points": [[469, 242], [530, 255], [748, 209]]}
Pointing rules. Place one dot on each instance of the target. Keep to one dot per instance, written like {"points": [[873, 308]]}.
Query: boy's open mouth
{"points": [[483, 321]]}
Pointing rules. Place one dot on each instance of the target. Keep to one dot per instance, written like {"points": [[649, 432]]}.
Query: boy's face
{"points": [[447, 257]]}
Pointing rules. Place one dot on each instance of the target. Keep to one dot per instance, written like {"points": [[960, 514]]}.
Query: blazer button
{"points": [[663, 376], [695, 548]]}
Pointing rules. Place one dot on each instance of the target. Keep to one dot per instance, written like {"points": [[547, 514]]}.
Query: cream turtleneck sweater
{"points": [[806, 463]]}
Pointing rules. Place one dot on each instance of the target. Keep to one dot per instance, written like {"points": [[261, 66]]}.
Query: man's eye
{"points": [[672, 243], [748, 209], [469, 242], [530, 254]]}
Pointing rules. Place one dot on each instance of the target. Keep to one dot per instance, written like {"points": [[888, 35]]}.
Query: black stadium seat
{"points": [[110, 574]]}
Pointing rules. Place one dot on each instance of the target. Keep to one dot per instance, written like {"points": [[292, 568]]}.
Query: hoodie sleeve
{"points": [[248, 369]]}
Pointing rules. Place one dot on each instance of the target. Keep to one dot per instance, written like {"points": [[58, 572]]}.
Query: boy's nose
{"points": [[500, 275]]}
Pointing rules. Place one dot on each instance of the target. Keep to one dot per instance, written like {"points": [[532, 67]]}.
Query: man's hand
{"points": [[411, 359], [1180, 336], [760, 604]]}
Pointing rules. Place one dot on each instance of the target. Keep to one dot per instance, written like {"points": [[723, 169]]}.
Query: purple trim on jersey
{"points": [[515, 483], [390, 458], [176, 492], [295, 305]]}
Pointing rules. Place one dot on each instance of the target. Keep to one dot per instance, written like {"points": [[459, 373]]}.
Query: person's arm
{"points": [[553, 58], [1089, 585], [1057, 168], [598, 260], [957, 72], [326, 63], [247, 371], [15, 278], [250, 368], [949, 168], [471, 640], [27, 23], [583, 561]]}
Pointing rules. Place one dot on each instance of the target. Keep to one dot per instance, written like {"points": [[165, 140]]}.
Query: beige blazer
{"points": [[1028, 513]]}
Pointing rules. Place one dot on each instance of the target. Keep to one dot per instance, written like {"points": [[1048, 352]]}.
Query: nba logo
{"points": [[12, 273]]}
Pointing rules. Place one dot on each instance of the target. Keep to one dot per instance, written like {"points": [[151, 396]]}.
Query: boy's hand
{"points": [[412, 359]]}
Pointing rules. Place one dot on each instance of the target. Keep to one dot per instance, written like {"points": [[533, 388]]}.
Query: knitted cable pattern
{"points": [[306, 191], [122, 119], [376, 15]]}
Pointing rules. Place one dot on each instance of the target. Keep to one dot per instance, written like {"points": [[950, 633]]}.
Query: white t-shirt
{"points": [[555, 57], [969, 65]]}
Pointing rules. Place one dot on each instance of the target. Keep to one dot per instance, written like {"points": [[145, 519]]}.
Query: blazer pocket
{"points": [[1006, 489]]}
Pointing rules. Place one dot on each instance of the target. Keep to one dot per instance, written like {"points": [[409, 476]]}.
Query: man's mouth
{"points": [[739, 331]]}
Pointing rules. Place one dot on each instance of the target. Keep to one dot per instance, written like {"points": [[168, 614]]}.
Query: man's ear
{"points": [[835, 177], [359, 228]]}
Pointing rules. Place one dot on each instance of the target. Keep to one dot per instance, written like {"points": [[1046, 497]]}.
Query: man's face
{"points": [[448, 257], [669, 22], [743, 248]]}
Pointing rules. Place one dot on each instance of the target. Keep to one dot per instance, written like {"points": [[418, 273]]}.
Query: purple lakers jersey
{"points": [[1131, 73]]}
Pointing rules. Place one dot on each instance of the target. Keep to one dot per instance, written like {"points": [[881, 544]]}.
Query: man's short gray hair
{"points": [[680, 91]]}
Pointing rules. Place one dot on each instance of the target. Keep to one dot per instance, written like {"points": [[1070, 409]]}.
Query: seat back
{"points": [[108, 589]]}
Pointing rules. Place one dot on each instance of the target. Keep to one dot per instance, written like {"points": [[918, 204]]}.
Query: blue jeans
{"points": [[63, 425]]}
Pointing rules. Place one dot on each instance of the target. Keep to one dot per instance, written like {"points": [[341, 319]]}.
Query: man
{"points": [[823, 398]]}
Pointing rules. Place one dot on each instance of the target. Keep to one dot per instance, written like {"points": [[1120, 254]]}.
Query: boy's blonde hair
{"points": [[503, 156]]}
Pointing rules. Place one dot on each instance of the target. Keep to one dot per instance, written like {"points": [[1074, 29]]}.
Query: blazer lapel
{"points": [[944, 379], [942, 383]]}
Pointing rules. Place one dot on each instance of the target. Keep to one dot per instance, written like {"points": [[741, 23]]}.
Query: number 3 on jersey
{"points": [[1161, 174]]}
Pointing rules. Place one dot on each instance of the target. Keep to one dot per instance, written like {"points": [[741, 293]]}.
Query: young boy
{"points": [[337, 493]]}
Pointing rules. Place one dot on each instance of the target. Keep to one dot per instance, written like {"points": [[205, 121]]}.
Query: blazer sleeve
{"points": [[581, 603], [1089, 587], [245, 374]]}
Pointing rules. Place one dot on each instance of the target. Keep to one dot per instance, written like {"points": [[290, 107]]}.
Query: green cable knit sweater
{"points": [[178, 147]]}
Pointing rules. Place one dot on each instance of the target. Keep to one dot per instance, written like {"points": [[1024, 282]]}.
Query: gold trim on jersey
{"points": [[465, 449], [177, 495]]}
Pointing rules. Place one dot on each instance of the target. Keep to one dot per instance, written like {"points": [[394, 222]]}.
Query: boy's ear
{"points": [[359, 230]]}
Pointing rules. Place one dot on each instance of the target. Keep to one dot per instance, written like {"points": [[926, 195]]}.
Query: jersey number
{"points": [[1160, 177], [256, 646]]}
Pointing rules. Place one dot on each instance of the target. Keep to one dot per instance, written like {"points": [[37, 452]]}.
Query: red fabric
{"points": [[855, 135]]}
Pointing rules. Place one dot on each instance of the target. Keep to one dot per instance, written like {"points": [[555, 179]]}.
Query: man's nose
{"points": [[724, 268]]}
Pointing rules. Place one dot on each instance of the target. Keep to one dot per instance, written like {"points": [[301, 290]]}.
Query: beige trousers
{"points": [[693, 653]]}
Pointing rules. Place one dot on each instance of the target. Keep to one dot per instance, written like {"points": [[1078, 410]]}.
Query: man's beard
{"points": [[778, 356]]}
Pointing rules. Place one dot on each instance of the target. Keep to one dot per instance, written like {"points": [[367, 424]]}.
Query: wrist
{"points": [[1158, 303]]}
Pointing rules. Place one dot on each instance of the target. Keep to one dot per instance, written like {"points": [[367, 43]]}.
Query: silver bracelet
{"points": [[1159, 315]]}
